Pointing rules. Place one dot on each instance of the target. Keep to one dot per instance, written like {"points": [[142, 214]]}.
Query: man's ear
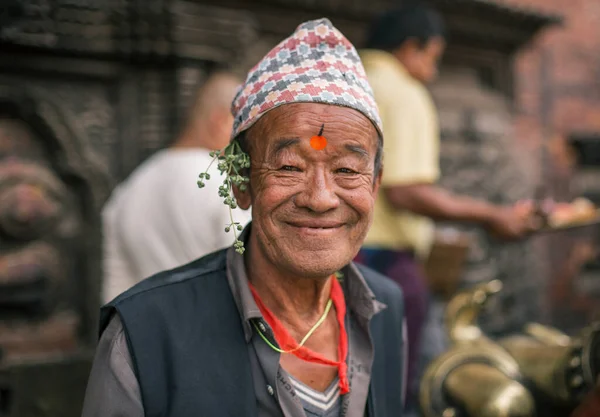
{"points": [[243, 198]]}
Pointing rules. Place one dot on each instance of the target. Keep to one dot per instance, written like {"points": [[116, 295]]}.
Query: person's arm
{"points": [[411, 168], [411, 162], [432, 201], [113, 389], [505, 222]]}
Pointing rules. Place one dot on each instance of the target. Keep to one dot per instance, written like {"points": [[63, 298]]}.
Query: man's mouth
{"points": [[316, 226]]}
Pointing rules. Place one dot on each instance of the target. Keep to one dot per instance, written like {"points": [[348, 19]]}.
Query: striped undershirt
{"points": [[319, 404]]}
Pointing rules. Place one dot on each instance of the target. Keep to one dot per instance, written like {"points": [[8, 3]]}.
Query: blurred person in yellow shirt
{"points": [[404, 47]]}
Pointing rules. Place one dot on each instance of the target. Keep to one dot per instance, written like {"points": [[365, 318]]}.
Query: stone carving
{"points": [[51, 188]]}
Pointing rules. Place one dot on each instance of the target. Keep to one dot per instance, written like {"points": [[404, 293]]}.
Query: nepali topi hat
{"points": [[316, 64]]}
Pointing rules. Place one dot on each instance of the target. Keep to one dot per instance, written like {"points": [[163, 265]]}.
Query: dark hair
{"points": [[242, 139], [391, 29]]}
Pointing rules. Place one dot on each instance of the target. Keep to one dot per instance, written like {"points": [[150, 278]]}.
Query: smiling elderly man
{"points": [[291, 327]]}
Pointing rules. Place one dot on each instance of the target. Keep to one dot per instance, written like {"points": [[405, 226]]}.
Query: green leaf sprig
{"points": [[232, 160]]}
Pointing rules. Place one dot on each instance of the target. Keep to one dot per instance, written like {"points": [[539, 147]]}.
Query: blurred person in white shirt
{"points": [[158, 219]]}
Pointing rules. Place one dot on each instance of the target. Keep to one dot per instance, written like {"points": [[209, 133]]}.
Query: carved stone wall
{"points": [[52, 185], [135, 64], [88, 107]]}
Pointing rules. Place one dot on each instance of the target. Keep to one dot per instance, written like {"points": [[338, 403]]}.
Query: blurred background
{"points": [[100, 85]]}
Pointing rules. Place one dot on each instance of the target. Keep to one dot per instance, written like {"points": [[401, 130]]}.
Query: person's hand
{"points": [[590, 406], [513, 222]]}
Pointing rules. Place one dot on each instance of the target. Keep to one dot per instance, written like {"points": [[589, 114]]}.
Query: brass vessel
{"points": [[541, 372]]}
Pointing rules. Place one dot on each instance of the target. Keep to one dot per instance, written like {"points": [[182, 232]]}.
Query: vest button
{"points": [[262, 328], [270, 390]]}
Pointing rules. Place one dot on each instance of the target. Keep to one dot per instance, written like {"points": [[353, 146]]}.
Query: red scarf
{"points": [[286, 341]]}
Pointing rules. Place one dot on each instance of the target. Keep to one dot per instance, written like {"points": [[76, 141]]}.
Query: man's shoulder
{"points": [[206, 266], [169, 290]]}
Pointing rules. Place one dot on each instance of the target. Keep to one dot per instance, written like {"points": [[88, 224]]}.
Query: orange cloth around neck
{"points": [[286, 341]]}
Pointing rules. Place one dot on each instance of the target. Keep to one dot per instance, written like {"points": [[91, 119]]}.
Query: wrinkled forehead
{"points": [[305, 120]]}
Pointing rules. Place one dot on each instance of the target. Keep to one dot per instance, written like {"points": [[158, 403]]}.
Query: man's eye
{"points": [[346, 171], [290, 168]]}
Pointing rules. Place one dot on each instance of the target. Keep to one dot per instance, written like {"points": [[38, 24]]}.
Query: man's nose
{"points": [[319, 193]]}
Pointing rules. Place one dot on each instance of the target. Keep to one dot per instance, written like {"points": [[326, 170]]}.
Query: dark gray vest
{"points": [[186, 340]]}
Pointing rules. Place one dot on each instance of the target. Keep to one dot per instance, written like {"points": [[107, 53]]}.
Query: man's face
{"points": [[311, 208], [421, 61]]}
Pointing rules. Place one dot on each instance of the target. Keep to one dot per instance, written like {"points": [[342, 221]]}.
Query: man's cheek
{"points": [[361, 200]]}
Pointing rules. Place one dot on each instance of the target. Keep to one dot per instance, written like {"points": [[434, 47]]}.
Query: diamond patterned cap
{"points": [[316, 64]]}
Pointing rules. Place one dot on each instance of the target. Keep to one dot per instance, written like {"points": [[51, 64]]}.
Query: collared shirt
{"points": [[113, 389], [411, 151]]}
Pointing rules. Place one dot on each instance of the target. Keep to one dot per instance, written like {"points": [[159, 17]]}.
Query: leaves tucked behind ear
{"points": [[232, 161]]}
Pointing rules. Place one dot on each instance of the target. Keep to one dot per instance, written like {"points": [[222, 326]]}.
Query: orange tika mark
{"points": [[319, 142]]}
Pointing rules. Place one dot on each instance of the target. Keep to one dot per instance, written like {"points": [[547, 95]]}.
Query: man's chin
{"points": [[316, 255], [317, 264]]}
